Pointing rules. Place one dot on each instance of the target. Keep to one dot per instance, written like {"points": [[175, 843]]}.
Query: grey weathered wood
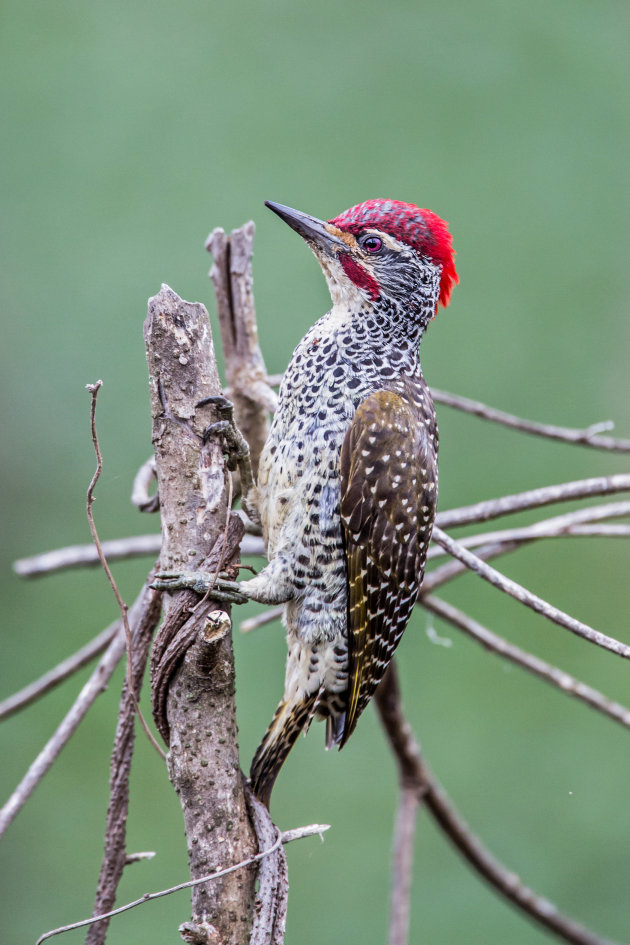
{"points": [[197, 683], [248, 388]]}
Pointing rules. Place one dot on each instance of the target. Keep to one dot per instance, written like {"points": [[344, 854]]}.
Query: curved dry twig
{"points": [[94, 389], [273, 880], [285, 836], [143, 480], [520, 593]]}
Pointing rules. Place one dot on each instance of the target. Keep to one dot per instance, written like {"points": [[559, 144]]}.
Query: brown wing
{"points": [[388, 501]]}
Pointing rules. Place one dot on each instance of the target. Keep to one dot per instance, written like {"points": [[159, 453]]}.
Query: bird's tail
{"points": [[288, 721]]}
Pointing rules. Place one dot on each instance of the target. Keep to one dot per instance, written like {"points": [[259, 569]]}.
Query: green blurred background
{"points": [[129, 130]]}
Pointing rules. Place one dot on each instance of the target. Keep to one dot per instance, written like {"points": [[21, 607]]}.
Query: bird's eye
{"points": [[372, 244]]}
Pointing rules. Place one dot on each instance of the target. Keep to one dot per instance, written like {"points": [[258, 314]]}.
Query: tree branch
{"points": [[520, 593], [590, 436], [118, 549], [55, 676], [248, 388], [286, 836], [115, 856], [551, 674], [141, 611], [533, 499], [416, 776], [192, 666], [559, 526]]}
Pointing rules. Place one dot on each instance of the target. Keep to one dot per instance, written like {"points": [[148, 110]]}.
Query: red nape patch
{"points": [[423, 230], [359, 275]]}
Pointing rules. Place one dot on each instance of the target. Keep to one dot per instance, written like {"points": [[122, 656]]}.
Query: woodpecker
{"points": [[347, 482]]}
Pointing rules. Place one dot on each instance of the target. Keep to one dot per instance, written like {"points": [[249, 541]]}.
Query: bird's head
{"points": [[381, 251]]}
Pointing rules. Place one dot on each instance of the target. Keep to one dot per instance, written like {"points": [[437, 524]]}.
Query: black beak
{"points": [[311, 229]]}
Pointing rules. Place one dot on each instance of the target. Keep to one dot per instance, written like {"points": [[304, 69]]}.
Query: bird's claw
{"points": [[222, 404], [219, 587], [234, 444], [235, 447]]}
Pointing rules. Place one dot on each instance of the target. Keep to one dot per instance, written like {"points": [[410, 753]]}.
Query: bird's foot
{"points": [[234, 443], [235, 447], [202, 582]]}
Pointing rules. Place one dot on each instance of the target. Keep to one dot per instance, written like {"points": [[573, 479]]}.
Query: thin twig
{"points": [[285, 836], [504, 881], [551, 674], [407, 754], [39, 687], [499, 542], [414, 771], [520, 593], [95, 685], [137, 546], [272, 881], [115, 854], [85, 556], [142, 610], [590, 436], [94, 389], [558, 526], [117, 549], [534, 498], [260, 620]]}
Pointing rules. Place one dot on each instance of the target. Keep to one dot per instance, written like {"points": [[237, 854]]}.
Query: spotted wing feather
{"points": [[388, 501]]}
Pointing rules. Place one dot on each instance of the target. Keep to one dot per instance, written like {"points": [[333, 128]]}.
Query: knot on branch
{"points": [[199, 933], [184, 621]]}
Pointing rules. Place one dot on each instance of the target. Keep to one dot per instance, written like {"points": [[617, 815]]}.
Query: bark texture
{"points": [[248, 388], [192, 667]]}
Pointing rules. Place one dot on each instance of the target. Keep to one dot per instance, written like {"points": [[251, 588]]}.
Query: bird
{"points": [[347, 482]]}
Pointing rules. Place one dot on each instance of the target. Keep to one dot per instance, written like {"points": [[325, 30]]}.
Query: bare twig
{"points": [[559, 526], [55, 676], [534, 498], [415, 775], [115, 856], [590, 436], [260, 620], [118, 549], [551, 674], [94, 389], [407, 754], [520, 593], [85, 556], [286, 836], [96, 684]]}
